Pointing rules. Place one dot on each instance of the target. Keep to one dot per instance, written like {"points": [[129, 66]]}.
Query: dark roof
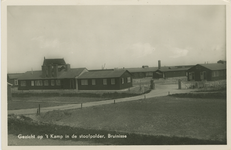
{"points": [[169, 69], [47, 62], [149, 69], [14, 75], [72, 73], [102, 74], [214, 66], [101, 70]]}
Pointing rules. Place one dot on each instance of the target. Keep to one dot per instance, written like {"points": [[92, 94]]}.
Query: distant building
{"points": [[159, 72], [142, 72], [55, 74], [105, 80], [169, 72], [221, 61], [209, 72]]}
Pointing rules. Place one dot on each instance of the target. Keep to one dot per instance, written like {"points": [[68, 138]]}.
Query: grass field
{"points": [[199, 118], [33, 102], [21, 125]]}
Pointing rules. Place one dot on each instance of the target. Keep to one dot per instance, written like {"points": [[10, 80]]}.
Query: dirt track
{"points": [[160, 90]]}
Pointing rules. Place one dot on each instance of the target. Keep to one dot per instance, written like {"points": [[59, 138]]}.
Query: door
{"points": [[202, 75]]}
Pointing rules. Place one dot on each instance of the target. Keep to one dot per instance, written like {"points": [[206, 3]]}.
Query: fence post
{"points": [[114, 101], [81, 105], [168, 93], [39, 110], [151, 84], [179, 84]]}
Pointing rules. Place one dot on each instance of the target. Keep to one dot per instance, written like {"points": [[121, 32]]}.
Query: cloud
{"points": [[138, 50], [46, 42], [177, 52]]}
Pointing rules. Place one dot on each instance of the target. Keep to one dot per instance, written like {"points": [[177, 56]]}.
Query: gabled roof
{"points": [[14, 75], [102, 74], [148, 69], [72, 73], [47, 62], [214, 66]]}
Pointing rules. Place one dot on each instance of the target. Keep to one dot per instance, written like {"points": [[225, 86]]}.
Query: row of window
{"points": [[220, 73], [105, 81], [41, 83]]}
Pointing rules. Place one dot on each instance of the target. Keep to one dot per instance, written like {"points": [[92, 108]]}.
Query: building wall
{"points": [[136, 75], [175, 74], [157, 75], [126, 84], [197, 71], [100, 86], [170, 74], [64, 84], [14, 82], [218, 75]]}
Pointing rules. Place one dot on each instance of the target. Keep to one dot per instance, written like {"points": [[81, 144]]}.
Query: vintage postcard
{"points": [[138, 74]]}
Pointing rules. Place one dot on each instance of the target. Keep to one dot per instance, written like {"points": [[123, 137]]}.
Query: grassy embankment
{"points": [[32, 100], [178, 119], [23, 125]]}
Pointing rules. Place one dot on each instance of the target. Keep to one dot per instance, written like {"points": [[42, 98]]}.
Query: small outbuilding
{"points": [[105, 80], [209, 72]]}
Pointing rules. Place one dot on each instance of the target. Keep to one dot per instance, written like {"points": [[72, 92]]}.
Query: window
{"points": [[32, 83], [52, 82], [128, 79], [45, 83], [58, 82], [112, 81], [15, 82], [38, 83], [84, 82], [93, 81], [122, 80], [23, 83], [104, 81], [215, 73]]}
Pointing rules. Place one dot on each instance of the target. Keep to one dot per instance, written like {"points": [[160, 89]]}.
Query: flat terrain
{"points": [[33, 102], [168, 116]]}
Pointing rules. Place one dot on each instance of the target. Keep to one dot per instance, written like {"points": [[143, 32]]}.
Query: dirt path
{"points": [[160, 90]]}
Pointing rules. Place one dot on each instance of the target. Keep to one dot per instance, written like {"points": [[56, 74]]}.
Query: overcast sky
{"points": [[117, 36]]}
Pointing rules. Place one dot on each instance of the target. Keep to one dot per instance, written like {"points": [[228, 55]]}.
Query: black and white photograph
{"points": [[126, 75]]}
